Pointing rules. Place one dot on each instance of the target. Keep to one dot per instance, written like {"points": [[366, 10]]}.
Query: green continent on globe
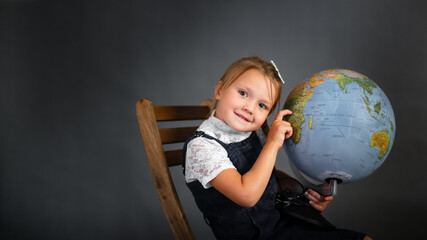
{"points": [[310, 123], [296, 102], [377, 108], [380, 140], [343, 80], [345, 77]]}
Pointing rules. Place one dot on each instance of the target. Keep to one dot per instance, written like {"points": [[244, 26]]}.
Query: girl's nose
{"points": [[249, 106]]}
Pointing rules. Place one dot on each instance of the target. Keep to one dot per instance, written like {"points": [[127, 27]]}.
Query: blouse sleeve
{"points": [[205, 159]]}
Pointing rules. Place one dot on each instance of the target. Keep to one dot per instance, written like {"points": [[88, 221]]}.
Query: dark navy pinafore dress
{"points": [[227, 219]]}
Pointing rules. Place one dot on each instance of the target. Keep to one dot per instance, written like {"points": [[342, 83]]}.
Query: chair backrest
{"points": [[159, 160]]}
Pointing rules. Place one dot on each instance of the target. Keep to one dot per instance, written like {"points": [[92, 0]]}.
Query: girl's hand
{"points": [[318, 201], [280, 129]]}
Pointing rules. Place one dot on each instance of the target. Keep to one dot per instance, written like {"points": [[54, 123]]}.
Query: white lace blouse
{"points": [[206, 158]]}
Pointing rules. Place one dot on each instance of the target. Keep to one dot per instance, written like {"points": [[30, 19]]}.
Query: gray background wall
{"points": [[72, 161]]}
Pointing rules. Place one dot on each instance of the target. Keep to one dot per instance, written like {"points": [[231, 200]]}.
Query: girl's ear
{"points": [[218, 90]]}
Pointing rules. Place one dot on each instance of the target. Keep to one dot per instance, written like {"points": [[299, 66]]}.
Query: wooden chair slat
{"points": [[176, 135], [177, 113]]}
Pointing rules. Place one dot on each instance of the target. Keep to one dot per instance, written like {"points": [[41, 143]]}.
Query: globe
{"points": [[343, 126]]}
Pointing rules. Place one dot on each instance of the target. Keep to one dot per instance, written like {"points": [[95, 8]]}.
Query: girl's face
{"points": [[246, 103]]}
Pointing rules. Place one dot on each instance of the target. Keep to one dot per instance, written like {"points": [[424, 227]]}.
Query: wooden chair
{"points": [[159, 160]]}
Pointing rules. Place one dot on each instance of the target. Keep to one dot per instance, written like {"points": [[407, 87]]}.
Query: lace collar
{"points": [[220, 130]]}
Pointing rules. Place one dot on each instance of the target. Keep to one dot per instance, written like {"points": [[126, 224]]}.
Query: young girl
{"points": [[228, 162]]}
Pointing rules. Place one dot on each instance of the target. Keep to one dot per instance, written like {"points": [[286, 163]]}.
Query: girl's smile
{"points": [[242, 117]]}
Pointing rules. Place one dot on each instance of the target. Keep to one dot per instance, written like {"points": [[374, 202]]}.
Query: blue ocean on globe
{"points": [[344, 126]]}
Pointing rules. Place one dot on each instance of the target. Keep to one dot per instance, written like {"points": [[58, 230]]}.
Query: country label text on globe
{"points": [[343, 124]]}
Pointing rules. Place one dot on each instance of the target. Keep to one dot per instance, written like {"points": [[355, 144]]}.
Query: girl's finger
{"points": [[283, 113]]}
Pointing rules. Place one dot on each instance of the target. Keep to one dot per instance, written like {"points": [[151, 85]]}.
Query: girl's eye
{"points": [[243, 93], [263, 106]]}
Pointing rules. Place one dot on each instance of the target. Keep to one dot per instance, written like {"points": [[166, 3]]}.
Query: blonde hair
{"points": [[240, 66]]}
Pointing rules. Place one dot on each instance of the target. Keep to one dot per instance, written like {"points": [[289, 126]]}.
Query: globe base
{"points": [[291, 201], [333, 183]]}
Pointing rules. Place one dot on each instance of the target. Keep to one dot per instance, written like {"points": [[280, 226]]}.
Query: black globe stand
{"points": [[291, 201]]}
